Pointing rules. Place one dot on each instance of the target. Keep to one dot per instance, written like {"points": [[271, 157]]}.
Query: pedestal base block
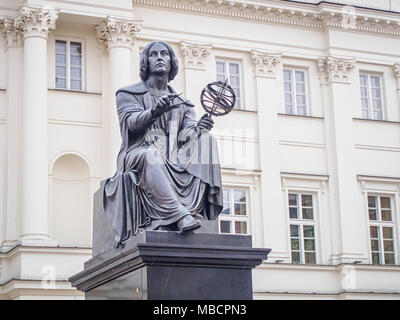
{"points": [[172, 265]]}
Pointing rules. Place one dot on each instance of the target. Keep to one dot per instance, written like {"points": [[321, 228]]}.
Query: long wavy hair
{"points": [[144, 61]]}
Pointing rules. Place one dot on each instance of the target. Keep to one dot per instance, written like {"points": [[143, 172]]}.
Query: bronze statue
{"points": [[168, 170]]}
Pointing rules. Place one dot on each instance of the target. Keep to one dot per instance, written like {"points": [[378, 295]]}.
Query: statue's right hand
{"points": [[162, 104]]}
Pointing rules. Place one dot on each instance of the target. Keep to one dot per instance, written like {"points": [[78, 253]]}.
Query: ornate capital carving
{"points": [[335, 69], [35, 22], [265, 63], [11, 35], [194, 54], [118, 32], [396, 70]]}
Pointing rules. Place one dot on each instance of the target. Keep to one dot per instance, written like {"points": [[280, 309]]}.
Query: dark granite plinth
{"points": [[171, 265]]}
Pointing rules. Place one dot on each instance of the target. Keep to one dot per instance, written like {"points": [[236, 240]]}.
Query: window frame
{"points": [[68, 40], [301, 222], [380, 224], [370, 109], [239, 63], [293, 70], [232, 217]]}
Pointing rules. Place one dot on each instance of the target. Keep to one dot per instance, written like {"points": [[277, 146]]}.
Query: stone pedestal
{"points": [[172, 265]]}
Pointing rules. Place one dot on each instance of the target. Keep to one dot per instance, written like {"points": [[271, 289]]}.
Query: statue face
{"points": [[159, 59]]}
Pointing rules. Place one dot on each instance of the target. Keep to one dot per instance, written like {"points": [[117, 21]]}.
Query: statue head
{"points": [[144, 61]]}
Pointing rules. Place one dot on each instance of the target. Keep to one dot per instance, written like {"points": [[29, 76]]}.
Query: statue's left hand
{"points": [[205, 122]]}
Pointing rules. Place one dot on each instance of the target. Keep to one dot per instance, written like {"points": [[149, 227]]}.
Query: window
{"points": [[234, 216], [371, 96], [302, 228], [295, 91], [381, 229], [230, 71], [68, 65]]}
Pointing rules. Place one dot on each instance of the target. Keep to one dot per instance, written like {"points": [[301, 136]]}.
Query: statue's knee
{"points": [[153, 156]]}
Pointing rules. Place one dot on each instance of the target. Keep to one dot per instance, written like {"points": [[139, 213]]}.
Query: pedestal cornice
{"points": [[118, 32], [335, 69], [35, 22], [265, 63]]}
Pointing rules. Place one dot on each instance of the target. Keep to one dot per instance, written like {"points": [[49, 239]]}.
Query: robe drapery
{"points": [[166, 168]]}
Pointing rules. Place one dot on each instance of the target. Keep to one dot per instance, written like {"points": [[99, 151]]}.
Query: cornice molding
{"points": [[313, 16], [195, 54], [334, 69], [35, 22], [117, 32], [265, 63]]}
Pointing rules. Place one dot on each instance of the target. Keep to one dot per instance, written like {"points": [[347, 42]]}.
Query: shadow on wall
{"points": [[70, 209]]}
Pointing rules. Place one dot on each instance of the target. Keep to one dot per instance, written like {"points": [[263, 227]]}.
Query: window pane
{"points": [[234, 81], [61, 59], [299, 76], [363, 80], [225, 226], [293, 213], [309, 244], [371, 202], [374, 232], [378, 115], [372, 214], [239, 195], [388, 245], [301, 111], [309, 257], [226, 209], [375, 82], [61, 83], [220, 67], [76, 48], [374, 245], [385, 202], [308, 231], [387, 233], [60, 72], [61, 46], [365, 114], [389, 258], [301, 100], [300, 88], [386, 215], [240, 209], [226, 195], [376, 93], [375, 258], [76, 73], [75, 84], [308, 213], [288, 109], [292, 199], [294, 230], [295, 257], [220, 78], [287, 87], [364, 92], [240, 227], [295, 244], [233, 68], [306, 200], [287, 75], [75, 60]]}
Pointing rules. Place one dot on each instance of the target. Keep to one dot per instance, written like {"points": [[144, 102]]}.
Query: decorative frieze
{"points": [[265, 63], [118, 32], [314, 16], [335, 69], [35, 22], [195, 55], [11, 35]]}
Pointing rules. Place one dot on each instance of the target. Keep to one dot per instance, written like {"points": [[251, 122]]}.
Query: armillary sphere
{"points": [[218, 98]]}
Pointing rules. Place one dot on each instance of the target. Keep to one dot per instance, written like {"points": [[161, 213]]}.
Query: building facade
{"points": [[310, 155]]}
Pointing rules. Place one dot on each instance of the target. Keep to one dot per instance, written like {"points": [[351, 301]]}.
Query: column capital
{"points": [[11, 35], [115, 32], [396, 70], [265, 63], [35, 22], [194, 54], [335, 69]]}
